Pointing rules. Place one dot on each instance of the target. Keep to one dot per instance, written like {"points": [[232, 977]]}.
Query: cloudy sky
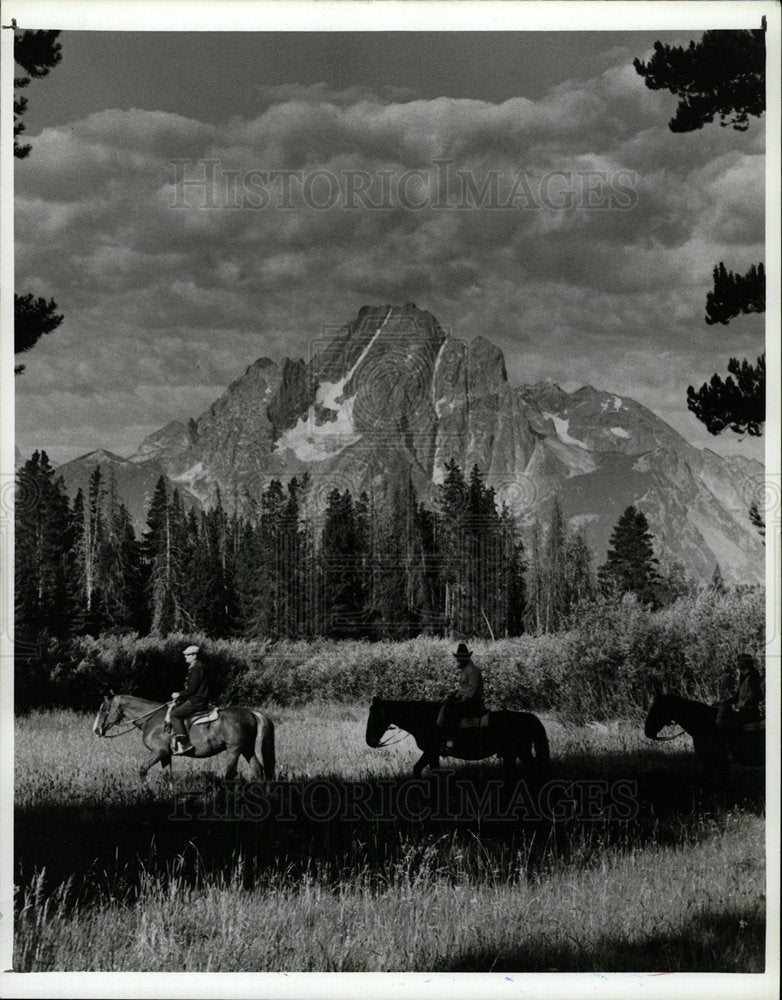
{"points": [[522, 186]]}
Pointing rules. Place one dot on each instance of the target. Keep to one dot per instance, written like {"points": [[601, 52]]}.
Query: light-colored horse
{"points": [[235, 731]]}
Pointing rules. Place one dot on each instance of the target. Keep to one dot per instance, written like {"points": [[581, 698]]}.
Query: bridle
{"points": [[121, 718]]}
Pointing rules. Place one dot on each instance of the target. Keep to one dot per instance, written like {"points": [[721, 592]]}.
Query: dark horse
{"points": [[235, 731], [713, 746], [509, 735]]}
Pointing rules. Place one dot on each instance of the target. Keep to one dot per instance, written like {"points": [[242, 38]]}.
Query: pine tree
{"points": [[271, 571], [556, 599], [722, 75], [631, 564], [247, 561], [164, 547], [533, 617], [451, 503], [78, 584], [340, 577], [292, 557], [579, 571], [43, 553], [511, 588], [717, 584]]}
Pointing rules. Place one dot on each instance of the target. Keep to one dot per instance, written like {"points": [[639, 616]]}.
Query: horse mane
{"points": [[137, 698], [407, 702], [681, 700]]}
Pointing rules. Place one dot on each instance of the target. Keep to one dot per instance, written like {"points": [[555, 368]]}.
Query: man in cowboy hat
{"points": [[467, 702], [194, 698], [743, 707]]}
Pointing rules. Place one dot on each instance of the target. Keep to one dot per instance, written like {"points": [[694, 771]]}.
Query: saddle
{"points": [[211, 714], [478, 722]]}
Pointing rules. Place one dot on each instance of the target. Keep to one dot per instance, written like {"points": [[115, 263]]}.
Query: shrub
{"points": [[606, 665]]}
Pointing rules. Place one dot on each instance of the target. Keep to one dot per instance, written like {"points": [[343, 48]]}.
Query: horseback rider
{"points": [[192, 699], [743, 707], [467, 702]]}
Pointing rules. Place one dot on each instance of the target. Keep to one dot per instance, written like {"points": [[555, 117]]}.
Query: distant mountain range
{"points": [[391, 392]]}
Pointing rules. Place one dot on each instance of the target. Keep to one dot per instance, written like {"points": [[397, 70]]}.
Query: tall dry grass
{"points": [[107, 880]]}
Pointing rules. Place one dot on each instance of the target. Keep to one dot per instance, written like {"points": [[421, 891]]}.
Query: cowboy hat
{"points": [[462, 652]]}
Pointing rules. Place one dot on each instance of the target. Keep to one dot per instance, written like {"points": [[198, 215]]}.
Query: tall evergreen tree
{"points": [[451, 500], [43, 553], [722, 75], [36, 52], [717, 584], [511, 581], [631, 564], [580, 574], [340, 567], [165, 556], [556, 598]]}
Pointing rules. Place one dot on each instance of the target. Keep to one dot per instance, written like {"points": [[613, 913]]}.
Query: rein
{"points": [[664, 739], [138, 718]]}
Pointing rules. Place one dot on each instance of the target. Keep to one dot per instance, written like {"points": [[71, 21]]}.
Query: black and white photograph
{"points": [[390, 499]]}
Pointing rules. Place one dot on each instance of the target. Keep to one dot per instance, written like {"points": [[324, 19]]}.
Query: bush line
{"points": [[606, 665]]}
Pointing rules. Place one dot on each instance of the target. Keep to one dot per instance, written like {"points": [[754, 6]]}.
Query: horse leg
{"points": [[525, 754], [162, 755], [233, 763], [267, 751], [255, 765], [167, 769], [429, 759]]}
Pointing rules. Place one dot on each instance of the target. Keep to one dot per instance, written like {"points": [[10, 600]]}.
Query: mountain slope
{"points": [[390, 392]]}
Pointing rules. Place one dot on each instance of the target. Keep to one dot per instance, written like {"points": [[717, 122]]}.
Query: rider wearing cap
{"points": [[192, 699], [467, 702]]}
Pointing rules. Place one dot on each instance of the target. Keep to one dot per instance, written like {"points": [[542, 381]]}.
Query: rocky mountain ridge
{"points": [[392, 392]]}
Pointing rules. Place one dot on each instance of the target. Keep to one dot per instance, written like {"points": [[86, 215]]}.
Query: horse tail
{"points": [[266, 737], [540, 744]]}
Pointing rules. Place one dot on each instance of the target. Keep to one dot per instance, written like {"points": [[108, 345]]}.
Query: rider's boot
{"points": [[182, 745]]}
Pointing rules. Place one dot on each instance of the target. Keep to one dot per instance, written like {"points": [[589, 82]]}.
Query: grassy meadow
{"points": [[656, 869]]}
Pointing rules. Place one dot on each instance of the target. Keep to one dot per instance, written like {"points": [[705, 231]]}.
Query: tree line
{"points": [[280, 566]]}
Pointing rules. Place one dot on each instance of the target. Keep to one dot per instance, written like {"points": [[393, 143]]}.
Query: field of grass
{"points": [[653, 869]]}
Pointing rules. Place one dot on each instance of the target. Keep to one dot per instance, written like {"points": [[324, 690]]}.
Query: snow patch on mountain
{"points": [[313, 442], [438, 403], [619, 432], [574, 457], [561, 426], [189, 476]]}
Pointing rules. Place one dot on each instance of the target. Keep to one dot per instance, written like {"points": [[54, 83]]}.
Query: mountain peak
{"points": [[391, 395], [101, 455]]}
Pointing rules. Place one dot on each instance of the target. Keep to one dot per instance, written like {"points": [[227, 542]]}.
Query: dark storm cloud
{"points": [[157, 285]]}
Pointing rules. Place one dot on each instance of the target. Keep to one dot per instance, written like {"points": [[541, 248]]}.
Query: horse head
{"points": [[377, 723], [109, 713], [659, 715]]}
